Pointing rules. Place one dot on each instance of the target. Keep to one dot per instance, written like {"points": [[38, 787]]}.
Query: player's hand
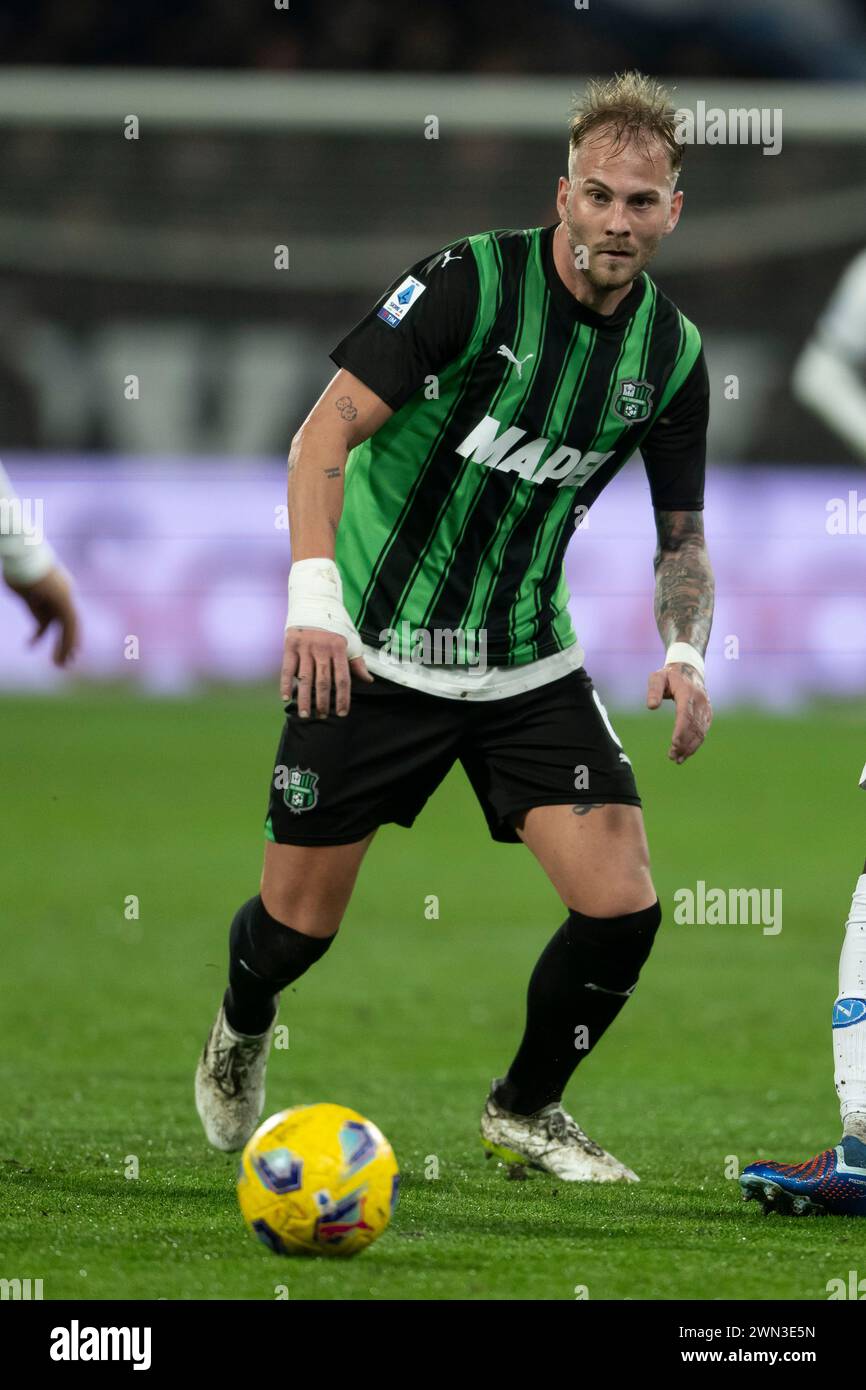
{"points": [[694, 713], [50, 601], [317, 660]]}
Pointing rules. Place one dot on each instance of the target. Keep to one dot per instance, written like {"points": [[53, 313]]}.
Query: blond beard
{"points": [[639, 264]]}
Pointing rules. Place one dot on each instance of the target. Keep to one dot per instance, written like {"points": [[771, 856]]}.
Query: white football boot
{"points": [[230, 1084], [549, 1140]]}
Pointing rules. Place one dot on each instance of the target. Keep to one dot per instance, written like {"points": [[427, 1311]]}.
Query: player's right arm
{"points": [[423, 321], [321, 658]]}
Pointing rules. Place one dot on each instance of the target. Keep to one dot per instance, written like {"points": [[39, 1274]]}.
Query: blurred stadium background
{"points": [[308, 128], [305, 128]]}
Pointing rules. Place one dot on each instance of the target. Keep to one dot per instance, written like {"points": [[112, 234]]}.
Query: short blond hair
{"points": [[631, 107]]}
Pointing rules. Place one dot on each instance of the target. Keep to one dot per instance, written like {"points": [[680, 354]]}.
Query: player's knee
{"points": [[622, 891], [303, 913], [637, 891]]}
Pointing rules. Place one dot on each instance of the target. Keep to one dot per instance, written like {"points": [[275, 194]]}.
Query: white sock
{"points": [[855, 1124], [849, 1018]]}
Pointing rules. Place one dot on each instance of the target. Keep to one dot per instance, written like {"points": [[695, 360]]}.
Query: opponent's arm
{"points": [[827, 376], [825, 382], [320, 657], [34, 574], [684, 613]]}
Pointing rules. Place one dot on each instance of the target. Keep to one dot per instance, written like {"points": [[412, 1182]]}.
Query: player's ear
{"points": [[676, 209], [562, 194]]}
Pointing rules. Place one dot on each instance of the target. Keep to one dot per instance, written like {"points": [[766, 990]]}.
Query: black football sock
{"points": [[582, 979], [264, 956]]}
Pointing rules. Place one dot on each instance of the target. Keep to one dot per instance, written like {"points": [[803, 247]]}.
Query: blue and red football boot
{"points": [[832, 1183]]}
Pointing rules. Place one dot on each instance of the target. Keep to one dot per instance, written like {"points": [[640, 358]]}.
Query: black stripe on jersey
{"points": [[663, 343], [525, 537], [494, 495], [378, 620], [591, 408], [498, 491], [424, 509], [669, 340]]}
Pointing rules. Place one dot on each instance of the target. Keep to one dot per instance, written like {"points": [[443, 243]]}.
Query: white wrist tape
{"points": [[316, 600], [683, 651]]}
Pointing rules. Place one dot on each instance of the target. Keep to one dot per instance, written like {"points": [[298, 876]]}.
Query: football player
{"points": [[828, 379], [834, 1180], [477, 412]]}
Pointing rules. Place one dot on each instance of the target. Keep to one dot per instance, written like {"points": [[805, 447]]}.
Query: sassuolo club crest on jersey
{"points": [[302, 793], [634, 401]]}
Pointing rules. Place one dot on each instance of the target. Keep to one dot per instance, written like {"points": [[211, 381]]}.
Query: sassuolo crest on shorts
{"points": [[302, 793]]}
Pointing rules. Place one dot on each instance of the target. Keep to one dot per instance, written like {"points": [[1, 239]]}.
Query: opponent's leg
{"points": [[834, 1180], [596, 857], [849, 1018], [274, 938]]}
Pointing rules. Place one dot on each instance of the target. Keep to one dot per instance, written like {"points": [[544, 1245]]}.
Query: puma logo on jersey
{"points": [[505, 453], [448, 259], [518, 362]]}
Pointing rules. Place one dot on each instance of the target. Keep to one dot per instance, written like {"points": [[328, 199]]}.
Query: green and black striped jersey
{"points": [[514, 405]]}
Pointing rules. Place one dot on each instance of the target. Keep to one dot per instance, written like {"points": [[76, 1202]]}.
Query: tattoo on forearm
{"points": [[346, 407], [585, 809], [684, 580], [331, 472]]}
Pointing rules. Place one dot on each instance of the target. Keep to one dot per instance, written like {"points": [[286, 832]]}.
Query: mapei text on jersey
{"points": [[568, 467]]}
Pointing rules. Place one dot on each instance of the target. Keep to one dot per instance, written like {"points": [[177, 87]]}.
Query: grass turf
{"points": [[722, 1056]]}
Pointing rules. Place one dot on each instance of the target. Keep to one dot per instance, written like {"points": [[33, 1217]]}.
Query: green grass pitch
{"points": [[724, 1050]]}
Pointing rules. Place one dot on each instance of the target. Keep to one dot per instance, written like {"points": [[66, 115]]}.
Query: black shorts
{"points": [[337, 779]]}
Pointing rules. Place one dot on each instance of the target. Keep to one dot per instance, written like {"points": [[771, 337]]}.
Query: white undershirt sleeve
{"points": [[24, 558]]}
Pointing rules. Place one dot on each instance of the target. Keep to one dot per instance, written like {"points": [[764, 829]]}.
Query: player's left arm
{"points": [[683, 607], [674, 452]]}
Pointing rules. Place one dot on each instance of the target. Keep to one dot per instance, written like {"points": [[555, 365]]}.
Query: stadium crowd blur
{"points": [[155, 256], [733, 39]]}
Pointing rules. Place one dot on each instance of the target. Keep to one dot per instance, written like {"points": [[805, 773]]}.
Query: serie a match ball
{"points": [[317, 1180]]}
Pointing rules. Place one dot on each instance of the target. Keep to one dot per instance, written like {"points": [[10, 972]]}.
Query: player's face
{"points": [[616, 208]]}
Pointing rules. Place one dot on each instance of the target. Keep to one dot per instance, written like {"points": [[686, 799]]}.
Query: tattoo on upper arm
{"points": [[347, 408], [684, 580], [585, 808]]}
